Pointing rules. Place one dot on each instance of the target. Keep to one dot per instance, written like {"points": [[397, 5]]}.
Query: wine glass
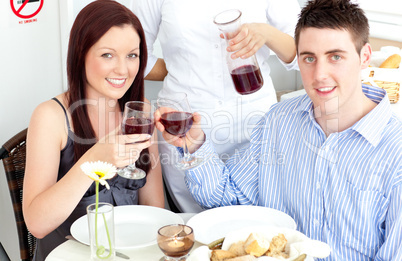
{"points": [[175, 241], [177, 118], [137, 119]]}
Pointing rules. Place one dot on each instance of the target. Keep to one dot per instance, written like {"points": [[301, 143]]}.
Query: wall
{"points": [[30, 69], [377, 43]]}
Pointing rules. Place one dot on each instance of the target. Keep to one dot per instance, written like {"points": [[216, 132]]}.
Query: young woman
{"points": [[106, 60]]}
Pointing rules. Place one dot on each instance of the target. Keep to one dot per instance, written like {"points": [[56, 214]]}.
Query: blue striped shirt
{"points": [[344, 189]]}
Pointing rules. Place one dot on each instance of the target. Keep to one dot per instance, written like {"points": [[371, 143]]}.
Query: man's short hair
{"points": [[335, 14]]}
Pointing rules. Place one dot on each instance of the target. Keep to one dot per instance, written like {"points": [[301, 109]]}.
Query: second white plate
{"points": [[135, 226], [216, 223]]}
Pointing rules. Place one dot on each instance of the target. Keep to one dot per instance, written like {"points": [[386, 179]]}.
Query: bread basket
{"points": [[388, 79], [392, 88]]}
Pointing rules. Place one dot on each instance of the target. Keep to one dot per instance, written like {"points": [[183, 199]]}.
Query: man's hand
{"points": [[195, 136]]}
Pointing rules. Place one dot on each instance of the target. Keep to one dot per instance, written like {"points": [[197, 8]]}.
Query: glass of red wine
{"points": [[177, 118], [138, 118]]}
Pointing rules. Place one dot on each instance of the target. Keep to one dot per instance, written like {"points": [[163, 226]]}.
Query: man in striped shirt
{"points": [[331, 159]]}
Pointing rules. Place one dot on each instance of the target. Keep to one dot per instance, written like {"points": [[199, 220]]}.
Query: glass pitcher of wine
{"points": [[246, 74]]}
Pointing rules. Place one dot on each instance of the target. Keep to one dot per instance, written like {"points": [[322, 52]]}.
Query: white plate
{"points": [[135, 226], [297, 243], [216, 223]]}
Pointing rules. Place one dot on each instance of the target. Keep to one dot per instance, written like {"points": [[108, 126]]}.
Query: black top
{"points": [[122, 192]]}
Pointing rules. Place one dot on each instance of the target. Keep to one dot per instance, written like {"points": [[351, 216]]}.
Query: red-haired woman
{"points": [[106, 60]]}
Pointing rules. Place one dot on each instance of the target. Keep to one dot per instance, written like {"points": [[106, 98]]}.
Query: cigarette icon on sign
{"points": [[29, 1]]}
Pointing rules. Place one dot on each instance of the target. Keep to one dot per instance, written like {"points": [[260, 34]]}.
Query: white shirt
{"points": [[195, 58]]}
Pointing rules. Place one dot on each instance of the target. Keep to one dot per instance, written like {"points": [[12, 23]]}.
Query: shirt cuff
{"points": [[150, 64], [292, 65], [206, 152]]}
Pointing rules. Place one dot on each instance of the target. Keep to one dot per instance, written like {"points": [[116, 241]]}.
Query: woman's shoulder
{"points": [[48, 119], [50, 108]]}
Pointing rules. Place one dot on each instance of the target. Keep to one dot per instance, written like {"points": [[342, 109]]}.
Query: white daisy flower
{"points": [[99, 171]]}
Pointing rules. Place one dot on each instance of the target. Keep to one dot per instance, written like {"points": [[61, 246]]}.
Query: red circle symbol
{"points": [[18, 12]]}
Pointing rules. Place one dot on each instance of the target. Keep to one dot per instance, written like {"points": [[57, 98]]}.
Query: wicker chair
{"points": [[13, 155]]}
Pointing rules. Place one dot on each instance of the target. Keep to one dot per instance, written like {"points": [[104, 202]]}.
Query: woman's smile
{"points": [[117, 83]]}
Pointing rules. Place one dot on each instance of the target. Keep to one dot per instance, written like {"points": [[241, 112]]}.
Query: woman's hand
{"points": [[195, 136], [251, 37], [248, 41], [118, 149]]}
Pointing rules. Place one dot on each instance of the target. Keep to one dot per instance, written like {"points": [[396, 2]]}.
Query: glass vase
{"points": [[101, 231]]}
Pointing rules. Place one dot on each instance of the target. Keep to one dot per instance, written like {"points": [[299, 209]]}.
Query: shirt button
{"points": [[326, 148], [216, 46], [316, 223], [220, 102], [318, 186]]}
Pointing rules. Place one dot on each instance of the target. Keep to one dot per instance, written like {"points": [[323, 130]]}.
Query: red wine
{"points": [[177, 123], [247, 79], [138, 126]]}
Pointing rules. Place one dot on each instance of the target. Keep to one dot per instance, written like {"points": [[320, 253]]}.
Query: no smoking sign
{"points": [[26, 8]]}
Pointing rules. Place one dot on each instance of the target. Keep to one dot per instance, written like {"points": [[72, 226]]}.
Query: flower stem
{"points": [[96, 213], [101, 249]]}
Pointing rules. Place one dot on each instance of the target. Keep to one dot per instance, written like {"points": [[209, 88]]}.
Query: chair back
{"points": [[13, 155]]}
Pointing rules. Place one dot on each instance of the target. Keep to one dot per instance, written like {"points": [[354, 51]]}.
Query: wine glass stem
{"points": [[131, 166], [187, 155]]}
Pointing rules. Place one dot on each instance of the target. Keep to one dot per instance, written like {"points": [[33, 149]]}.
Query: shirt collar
{"points": [[305, 104], [371, 126]]}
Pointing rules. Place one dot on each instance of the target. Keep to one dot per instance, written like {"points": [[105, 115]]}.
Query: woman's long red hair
{"points": [[90, 25]]}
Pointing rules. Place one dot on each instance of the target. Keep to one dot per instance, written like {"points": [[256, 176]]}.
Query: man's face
{"points": [[330, 69]]}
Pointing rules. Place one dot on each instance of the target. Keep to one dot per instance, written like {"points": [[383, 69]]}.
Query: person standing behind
{"points": [[331, 159], [105, 67], [194, 63]]}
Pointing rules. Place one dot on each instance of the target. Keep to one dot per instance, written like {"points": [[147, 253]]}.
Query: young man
{"points": [[331, 159]]}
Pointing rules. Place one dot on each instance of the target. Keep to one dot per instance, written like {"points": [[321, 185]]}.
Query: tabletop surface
{"points": [[72, 250]]}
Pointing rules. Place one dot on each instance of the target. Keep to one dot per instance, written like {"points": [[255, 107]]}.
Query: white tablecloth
{"points": [[71, 250]]}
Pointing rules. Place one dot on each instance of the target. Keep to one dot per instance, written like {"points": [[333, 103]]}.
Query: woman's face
{"points": [[112, 63]]}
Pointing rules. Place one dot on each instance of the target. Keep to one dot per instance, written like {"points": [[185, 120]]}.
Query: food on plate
{"points": [[277, 246], [256, 245], [392, 61], [242, 258], [238, 248], [217, 244], [221, 255], [302, 257]]}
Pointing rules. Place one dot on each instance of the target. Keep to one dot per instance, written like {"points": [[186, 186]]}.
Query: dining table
{"points": [[234, 223], [74, 250]]}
